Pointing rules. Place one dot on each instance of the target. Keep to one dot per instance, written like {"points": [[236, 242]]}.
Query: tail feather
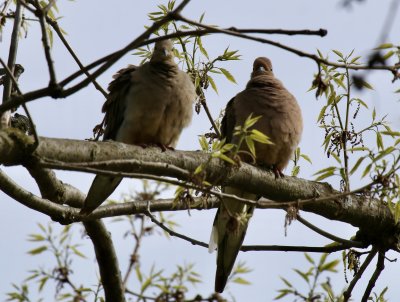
{"points": [[102, 187], [231, 224]]}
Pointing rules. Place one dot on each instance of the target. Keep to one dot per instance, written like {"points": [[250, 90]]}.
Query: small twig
{"points": [[33, 127], [205, 106], [142, 297], [110, 59], [380, 266], [135, 255], [285, 47], [49, 6], [173, 233], [288, 248], [40, 13], [12, 56], [331, 236], [58, 31], [347, 293]]}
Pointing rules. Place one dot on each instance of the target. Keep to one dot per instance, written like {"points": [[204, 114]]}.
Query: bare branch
{"points": [[16, 86], [371, 255], [41, 14], [380, 266], [331, 236], [12, 56]]}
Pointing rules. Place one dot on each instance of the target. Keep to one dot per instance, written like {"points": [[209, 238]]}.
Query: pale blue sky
{"points": [[96, 28]]}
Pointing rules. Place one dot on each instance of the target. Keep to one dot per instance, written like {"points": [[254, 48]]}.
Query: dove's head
{"points": [[163, 51], [262, 66]]}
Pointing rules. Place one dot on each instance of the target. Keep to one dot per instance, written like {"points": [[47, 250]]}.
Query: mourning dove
{"points": [[281, 121], [146, 105]]}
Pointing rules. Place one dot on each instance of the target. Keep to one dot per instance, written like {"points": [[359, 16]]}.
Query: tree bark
{"points": [[370, 215]]}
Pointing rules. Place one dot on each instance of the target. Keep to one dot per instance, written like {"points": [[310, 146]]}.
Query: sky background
{"points": [[96, 28]]}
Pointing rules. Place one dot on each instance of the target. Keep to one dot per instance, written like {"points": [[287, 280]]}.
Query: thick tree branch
{"points": [[59, 192], [372, 217]]}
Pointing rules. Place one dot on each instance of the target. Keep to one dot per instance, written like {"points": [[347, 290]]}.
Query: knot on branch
{"points": [[13, 139], [385, 239]]}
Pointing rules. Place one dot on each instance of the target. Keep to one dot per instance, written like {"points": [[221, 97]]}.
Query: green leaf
{"points": [[330, 266], [36, 237], [211, 81], [295, 171], [139, 274], [250, 121], [325, 175], [260, 137], [379, 141], [77, 252], [38, 250], [283, 293], [309, 258], [306, 158], [338, 53], [366, 171], [228, 75], [42, 283], [358, 163], [367, 85], [354, 60], [250, 145], [202, 49], [226, 158], [303, 275], [391, 133], [384, 46], [288, 284], [240, 280], [203, 143], [322, 113], [388, 55]]}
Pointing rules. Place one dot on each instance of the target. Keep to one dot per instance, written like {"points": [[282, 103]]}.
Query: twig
{"points": [[110, 59], [49, 6], [347, 293], [247, 248], [12, 55], [285, 47], [286, 248], [40, 13], [205, 106], [15, 83], [380, 266], [142, 297], [173, 233], [331, 236], [58, 31], [135, 255]]}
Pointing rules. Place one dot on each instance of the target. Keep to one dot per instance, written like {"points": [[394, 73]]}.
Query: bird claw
{"points": [[161, 146], [278, 173]]}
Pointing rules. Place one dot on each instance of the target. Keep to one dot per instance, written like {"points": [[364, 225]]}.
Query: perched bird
{"points": [[281, 121], [147, 105]]}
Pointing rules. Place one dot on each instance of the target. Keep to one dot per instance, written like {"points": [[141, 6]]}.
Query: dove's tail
{"points": [[228, 233], [102, 187]]}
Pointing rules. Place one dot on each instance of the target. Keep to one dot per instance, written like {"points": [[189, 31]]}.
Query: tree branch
{"points": [[374, 219], [41, 14], [371, 255], [380, 266], [12, 56]]}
